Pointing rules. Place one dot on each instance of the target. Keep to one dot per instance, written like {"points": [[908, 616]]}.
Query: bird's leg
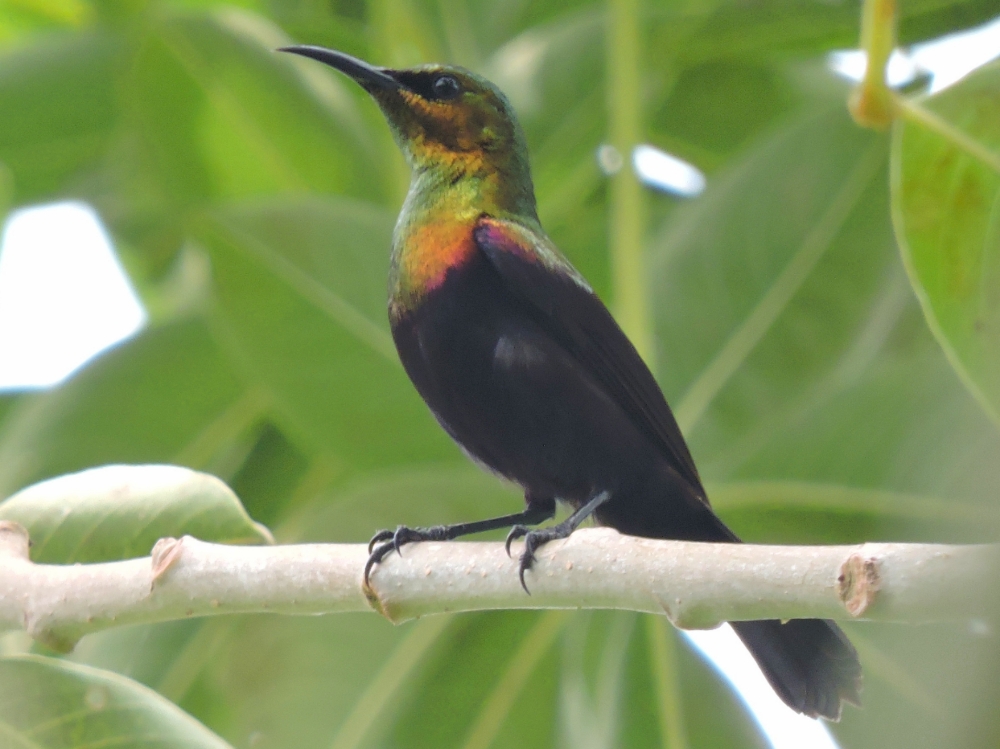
{"points": [[534, 539], [383, 542]]}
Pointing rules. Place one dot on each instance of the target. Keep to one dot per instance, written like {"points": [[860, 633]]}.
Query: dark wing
{"points": [[573, 315]]}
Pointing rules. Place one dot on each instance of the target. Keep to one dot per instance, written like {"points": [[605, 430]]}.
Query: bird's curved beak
{"points": [[368, 76]]}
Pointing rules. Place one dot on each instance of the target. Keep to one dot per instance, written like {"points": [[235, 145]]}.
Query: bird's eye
{"points": [[446, 87]]}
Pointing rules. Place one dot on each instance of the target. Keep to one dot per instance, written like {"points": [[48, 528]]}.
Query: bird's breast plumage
{"points": [[423, 255]]}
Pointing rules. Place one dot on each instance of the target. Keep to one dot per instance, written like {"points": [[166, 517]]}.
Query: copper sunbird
{"points": [[526, 369]]}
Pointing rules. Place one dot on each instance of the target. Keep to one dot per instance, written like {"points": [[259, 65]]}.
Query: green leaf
{"points": [[6, 194], [46, 703], [330, 679], [223, 115], [504, 675], [785, 317], [166, 396], [58, 108], [19, 18], [804, 512], [499, 673], [906, 665], [502, 678], [823, 168], [828, 412], [119, 512], [303, 280], [7, 402], [946, 206], [776, 26], [788, 345], [6, 190]]}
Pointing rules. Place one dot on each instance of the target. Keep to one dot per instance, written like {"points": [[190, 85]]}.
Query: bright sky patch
{"points": [[64, 297]]}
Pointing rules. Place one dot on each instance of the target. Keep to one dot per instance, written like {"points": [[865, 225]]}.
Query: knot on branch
{"points": [[165, 554], [858, 583]]}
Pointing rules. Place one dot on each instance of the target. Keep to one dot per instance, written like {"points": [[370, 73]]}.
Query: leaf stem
{"points": [[663, 648], [871, 103], [627, 219]]}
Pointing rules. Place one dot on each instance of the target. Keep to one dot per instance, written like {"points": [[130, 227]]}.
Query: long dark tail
{"points": [[810, 663]]}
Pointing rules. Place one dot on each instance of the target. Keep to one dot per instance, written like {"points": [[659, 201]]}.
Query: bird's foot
{"points": [[387, 541], [533, 540]]}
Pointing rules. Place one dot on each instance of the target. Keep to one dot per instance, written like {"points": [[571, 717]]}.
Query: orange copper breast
{"points": [[434, 248]]}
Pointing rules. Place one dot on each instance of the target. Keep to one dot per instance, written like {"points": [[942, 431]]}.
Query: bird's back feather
{"points": [[573, 315]]}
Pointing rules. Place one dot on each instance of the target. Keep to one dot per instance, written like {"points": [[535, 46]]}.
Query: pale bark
{"points": [[696, 585]]}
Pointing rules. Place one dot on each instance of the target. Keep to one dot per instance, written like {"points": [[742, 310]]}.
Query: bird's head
{"points": [[443, 117]]}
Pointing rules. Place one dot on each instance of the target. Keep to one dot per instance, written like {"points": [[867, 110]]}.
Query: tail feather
{"points": [[810, 663]]}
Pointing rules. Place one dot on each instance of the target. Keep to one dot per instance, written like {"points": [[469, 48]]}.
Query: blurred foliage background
{"points": [[251, 198]]}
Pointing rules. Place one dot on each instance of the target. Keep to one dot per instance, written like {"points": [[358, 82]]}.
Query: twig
{"points": [[697, 585]]}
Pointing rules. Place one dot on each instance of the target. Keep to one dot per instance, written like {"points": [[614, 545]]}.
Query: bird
{"points": [[525, 367]]}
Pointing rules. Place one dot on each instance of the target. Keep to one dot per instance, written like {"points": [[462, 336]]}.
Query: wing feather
{"points": [[568, 310]]}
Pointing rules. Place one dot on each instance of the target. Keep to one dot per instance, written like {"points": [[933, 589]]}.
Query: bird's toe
{"points": [[516, 532], [377, 555], [402, 536], [527, 562], [383, 535]]}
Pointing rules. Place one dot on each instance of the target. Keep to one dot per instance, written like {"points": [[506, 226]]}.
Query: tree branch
{"points": [[697, 585]]}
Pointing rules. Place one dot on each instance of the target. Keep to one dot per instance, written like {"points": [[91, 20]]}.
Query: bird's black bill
{"points": [[367, 75]]}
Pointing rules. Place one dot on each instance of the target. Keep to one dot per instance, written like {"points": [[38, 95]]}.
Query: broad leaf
{"points": [[946, 204], [801, 512], [58, 109], [818, 406], [321, 263], [166, 396], [221, 113], [794, 353], [46, 703], [118, 512]]}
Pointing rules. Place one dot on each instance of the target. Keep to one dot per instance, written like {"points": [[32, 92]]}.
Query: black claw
{"points": [[385, 542], [516, 532], [398, 539], [375, 557], [383, 535], [532, 540], [390, 541], [527, 561]]}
